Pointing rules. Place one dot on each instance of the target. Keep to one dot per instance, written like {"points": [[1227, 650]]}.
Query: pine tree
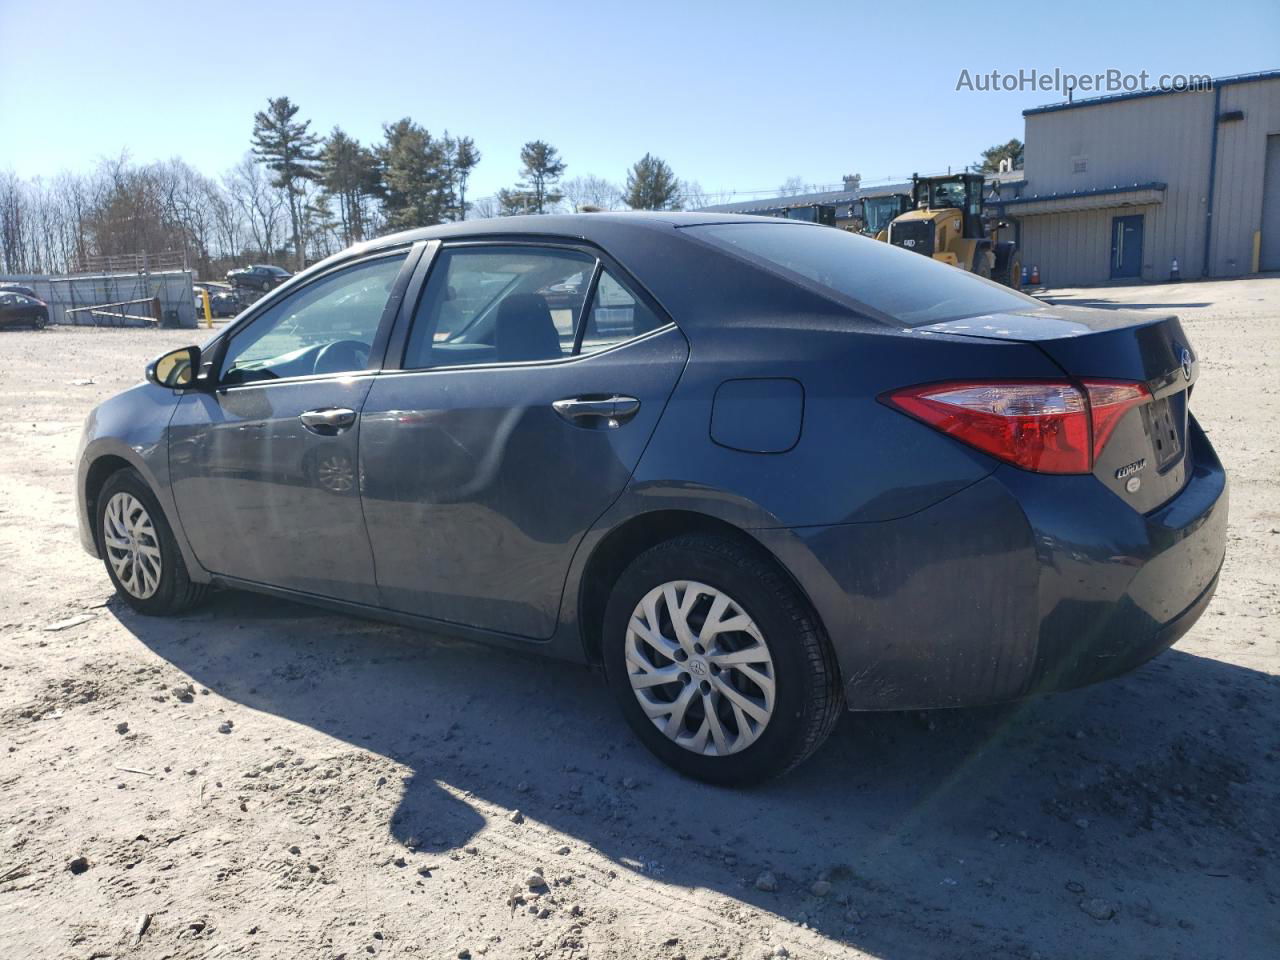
{"points": [[542, 169], [415, 169], [288, 148], [465, 156], [652, 186], [991, 157], [350, 173], [514, 202]]}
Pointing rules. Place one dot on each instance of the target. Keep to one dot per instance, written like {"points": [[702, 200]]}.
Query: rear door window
{"points": [[616, 316], [909, 287], [499, 305]]}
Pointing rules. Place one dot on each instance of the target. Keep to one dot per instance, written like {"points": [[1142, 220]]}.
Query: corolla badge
{"points": [[1186, 363], [1129, 469]]}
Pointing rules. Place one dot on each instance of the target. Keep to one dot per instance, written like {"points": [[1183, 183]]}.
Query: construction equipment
{"points": [[823, 213], [873, 214], [947, 223]]}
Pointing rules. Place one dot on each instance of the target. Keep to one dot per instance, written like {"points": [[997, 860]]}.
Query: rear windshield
{"points": [[909, 287]]}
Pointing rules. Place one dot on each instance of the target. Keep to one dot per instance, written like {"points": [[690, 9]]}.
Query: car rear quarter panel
{"points": [[856, 459]]}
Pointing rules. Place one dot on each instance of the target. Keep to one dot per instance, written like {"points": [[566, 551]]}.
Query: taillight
{"points": [[1045, 426]]}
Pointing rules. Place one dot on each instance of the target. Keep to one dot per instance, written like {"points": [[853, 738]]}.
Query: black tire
{"points": [[39, 321], [981, 265], [175, 593], [808, 698], [1015, 274]]}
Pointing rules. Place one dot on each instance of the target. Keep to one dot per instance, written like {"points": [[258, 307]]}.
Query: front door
{"points": [[533, 378], [1126, 246], [264, 466]]}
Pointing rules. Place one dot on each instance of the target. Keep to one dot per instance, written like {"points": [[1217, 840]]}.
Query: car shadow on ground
{"points": [[1127, 819]]}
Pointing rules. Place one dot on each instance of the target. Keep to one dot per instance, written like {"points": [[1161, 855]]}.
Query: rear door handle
{"points": [[613, 411], [328, 421]]}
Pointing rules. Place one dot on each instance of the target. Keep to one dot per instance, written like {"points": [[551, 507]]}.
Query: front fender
{"points": [[130, 428]]}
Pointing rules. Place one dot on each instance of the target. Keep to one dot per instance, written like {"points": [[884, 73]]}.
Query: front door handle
{"points": [[328, 421], [597, 411]]}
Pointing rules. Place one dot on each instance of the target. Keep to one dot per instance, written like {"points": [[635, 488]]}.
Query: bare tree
{"points": [[486, 208], [694, 197], [795, 186], [592, 191], [262, 204]]}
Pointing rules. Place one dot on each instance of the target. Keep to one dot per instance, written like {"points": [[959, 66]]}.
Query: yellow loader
{"points": [[947, 223]]}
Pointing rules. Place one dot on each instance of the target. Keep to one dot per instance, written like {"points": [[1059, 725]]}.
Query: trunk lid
{"points": [[1145, 460]]}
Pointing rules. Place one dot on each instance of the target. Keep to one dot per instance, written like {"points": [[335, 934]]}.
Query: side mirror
{"points": [[175, 370]]}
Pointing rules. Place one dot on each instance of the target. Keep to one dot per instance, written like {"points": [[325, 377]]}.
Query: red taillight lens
{"points": [[1109, 400], [1045, 426]]}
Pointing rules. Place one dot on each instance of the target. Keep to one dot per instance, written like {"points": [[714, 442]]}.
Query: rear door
{"points": [[533, 376], [264, 467]]}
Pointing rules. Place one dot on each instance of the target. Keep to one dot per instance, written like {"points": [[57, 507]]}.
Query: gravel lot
{"points": [[261, 779]]}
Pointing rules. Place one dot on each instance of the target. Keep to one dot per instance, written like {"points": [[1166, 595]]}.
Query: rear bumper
{"points": [[1019, 584]]}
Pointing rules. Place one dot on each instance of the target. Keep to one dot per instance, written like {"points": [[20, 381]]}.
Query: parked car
{"points": [[224, 304], [759, 470], [18, 288], [223, 300], [258, 276], [20, 310]]}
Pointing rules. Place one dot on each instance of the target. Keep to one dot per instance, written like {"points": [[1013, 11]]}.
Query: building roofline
{"points": [[1137, 95], [1072, 194]]}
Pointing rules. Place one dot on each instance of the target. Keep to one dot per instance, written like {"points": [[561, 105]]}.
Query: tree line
{"points": [[295, 197]]}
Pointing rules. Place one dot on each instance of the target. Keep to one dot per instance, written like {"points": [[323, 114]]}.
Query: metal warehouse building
{"points": [[1119, 187]]}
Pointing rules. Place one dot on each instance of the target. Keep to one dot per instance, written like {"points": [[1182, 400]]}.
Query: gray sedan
{"points": [[759, 470]]}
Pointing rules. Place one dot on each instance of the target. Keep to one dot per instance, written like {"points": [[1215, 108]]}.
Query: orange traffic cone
{"points": [[1035, 275]]}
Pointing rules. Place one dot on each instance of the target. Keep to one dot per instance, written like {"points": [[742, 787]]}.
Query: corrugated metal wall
{"points": [[1161, 138], [177, 299], [1164, 139], [1242, 157], [1074, 249]]}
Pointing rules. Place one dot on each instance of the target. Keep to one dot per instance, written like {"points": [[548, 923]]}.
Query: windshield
{"points": [[910, 288], [879, 211]]}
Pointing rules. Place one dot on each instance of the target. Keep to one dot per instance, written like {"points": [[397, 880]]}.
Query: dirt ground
{"points": [[261, 779]]}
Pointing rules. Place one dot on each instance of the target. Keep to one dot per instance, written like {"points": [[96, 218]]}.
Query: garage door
{"points": [[1270, 258]]}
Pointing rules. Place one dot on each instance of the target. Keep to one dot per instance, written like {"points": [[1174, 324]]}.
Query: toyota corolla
{"points": [[761, 471]]}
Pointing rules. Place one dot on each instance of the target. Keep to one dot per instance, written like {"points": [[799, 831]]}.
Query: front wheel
{"points": [[717, 662], [39, 321], [139, 551]]}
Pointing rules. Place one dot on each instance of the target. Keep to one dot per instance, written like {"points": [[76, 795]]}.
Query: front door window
{"points": [[326, 327]]}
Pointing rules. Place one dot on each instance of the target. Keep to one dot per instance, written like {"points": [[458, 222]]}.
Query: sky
{"points": [[737, 96]]}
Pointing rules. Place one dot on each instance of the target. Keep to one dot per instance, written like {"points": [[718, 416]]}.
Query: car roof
{"points": [[703, 285], [597, 228]]}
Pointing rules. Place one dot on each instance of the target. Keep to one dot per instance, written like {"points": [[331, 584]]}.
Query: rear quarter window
{"points": [[910, 288]]}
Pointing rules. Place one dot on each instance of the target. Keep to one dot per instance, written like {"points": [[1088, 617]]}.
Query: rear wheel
{"points": [[717, 662], [139, 551], [1015, 273]]}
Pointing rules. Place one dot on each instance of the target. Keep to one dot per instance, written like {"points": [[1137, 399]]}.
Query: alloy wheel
{"points": [[700, 668], [132, 545]]}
